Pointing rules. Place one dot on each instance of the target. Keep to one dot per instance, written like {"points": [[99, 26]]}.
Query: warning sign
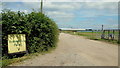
{"points": [[16, 43]]}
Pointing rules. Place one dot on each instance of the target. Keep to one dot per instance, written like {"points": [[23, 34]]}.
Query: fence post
{"points": [[92, 33], [108, 34], [113, 34], [119, 36]]}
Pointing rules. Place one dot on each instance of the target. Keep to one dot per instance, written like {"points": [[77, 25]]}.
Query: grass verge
{"points": [[7, 62], [90, 35]]}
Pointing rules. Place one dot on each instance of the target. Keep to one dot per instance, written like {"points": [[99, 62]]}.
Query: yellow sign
{"points": [[16, 43]]}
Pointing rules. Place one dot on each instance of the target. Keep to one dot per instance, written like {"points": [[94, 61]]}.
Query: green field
{"points": [[97, 36]]}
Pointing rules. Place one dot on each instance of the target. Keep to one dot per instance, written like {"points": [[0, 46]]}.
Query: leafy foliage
{"points": [[41, 32]]}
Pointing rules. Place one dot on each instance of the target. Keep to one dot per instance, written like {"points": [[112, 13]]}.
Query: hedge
{"points": [[41, 31]]}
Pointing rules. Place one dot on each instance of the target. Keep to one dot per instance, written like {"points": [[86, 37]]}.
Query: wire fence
{"points": [[106, 34], [113, 34]]}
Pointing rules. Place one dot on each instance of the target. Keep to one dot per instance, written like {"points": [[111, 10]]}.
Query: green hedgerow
{"points": [[41, 31]]}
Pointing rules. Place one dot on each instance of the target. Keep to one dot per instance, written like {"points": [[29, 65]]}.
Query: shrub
{"points": [[44, 33], [41, 32]]}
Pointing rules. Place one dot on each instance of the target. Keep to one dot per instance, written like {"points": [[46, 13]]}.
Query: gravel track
{"points": [[76, 51]]}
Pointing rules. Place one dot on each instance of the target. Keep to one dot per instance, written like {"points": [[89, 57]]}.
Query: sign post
{"points": [[16, 43]]}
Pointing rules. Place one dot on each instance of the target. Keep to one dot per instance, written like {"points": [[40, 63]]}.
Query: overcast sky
{"points": [[77, 14]]}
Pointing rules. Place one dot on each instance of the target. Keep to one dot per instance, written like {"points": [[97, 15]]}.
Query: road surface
{"points": [[76, 51]]}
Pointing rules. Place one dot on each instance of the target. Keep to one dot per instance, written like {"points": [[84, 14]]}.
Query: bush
{"points": [[41, 32]]}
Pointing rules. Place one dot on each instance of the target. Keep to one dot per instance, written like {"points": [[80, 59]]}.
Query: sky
{"points": [[82, 14]]}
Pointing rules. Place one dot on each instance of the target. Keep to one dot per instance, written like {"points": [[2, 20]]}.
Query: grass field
{"points": [[97, 36]]}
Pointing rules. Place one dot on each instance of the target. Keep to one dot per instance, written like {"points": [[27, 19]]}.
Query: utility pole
{"points": [[41, 6]]}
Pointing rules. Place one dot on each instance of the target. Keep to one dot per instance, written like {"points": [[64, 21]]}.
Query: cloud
{"points": [[60, 14], [107, 26], [66, 13], [78, 5], [110, 7], [99, 8], [80, 9], [61, 0], [101, 5], [20, 0], [61, 17], [61, 6], [32, 5], [111, 21], [97, 13]]}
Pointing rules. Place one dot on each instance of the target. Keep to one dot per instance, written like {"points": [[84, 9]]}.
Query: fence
{"points": [[106, 34]]}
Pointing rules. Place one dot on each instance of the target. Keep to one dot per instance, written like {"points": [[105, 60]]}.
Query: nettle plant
{"points": [[41, 31]]}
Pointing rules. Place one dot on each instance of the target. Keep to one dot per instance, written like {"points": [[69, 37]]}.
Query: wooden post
{"points": [[108, 34], [96, 33], [104, 33], [92, 33], [113, 34], [119, 36]]}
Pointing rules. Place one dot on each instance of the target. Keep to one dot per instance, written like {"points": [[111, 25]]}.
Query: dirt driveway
{"points": [[77, 51]]}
